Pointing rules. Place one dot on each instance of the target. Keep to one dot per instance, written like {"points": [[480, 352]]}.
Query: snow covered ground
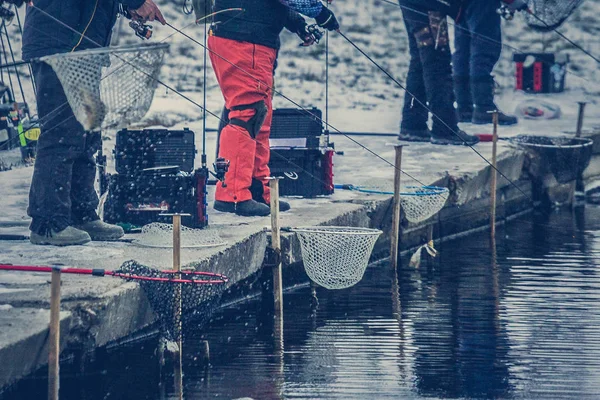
{"points": [[361, 97]]}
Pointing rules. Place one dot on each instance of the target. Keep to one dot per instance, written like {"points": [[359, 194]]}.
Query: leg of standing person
{"points": [[461, 65], [430, 31], [60, 144], [248, 100], [486, 47], [413, 126]]}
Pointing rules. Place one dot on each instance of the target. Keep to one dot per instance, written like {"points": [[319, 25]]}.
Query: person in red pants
{"points": [[243, 55]]}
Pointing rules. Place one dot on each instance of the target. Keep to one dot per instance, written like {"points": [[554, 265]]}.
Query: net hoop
{"points": [[160, 235], [336, 257], [420, 203], [182, 304], [185, 277], [109, 87]]}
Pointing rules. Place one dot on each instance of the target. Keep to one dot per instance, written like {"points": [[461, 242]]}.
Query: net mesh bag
{"points": [[180, 307], [547, 15], [158, 234], [336, 257], [420, 203], [109, 88]]}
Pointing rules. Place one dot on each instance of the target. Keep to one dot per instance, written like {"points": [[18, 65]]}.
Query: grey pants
{"points": [[62, 189]]}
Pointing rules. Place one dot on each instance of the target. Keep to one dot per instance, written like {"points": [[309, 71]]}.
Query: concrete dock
{"points": [[100, 311]]}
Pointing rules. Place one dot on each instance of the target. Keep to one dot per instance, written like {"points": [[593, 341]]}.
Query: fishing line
{"points": [[487, 38], [295, 103], [434, 115], [169, 88], [12, 55], [565, 38], [28, 65]]}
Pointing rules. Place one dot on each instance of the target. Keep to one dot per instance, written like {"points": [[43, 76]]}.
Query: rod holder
{"points": [[276, 245], [580, 117], [395, 240], [54, 337]]}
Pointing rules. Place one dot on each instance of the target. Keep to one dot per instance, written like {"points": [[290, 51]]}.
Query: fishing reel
{"points": [[221, 167], [506, 13], [141, 29], [312, 36]]}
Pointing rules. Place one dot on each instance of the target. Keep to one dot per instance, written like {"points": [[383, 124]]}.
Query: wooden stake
{"points": [[276, 244], [580, 118], [54, 339], [394, 250], [494, 182], [178, 306]]}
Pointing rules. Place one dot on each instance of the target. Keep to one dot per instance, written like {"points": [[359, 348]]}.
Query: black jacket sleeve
{"points": [[294, 22]]}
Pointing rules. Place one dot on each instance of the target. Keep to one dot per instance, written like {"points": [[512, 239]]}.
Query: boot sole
{"points": [[413, 139], [60, 244], [234, 210], [445, 142], [253, 215], [108, 238]]}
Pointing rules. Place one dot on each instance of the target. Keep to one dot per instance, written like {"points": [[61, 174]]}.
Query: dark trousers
{"points": [[62, 189], [475, 55], [429, 79]]}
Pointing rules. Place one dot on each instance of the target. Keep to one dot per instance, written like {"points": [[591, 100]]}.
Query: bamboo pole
{"points": [[178, 305], [394, 250], [54, 339], [494, 182], [276, 244]]}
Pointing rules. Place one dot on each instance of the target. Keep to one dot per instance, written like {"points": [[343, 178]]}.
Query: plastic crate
{"points": [[540, 72], [137, 150], [293, 127], [305, 172], [140, 199]]}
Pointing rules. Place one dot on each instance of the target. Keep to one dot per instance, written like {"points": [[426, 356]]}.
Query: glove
{"points": [[516, 5], [326, 19]]}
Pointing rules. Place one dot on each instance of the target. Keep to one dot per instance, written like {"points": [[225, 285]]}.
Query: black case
{"points": [[292, 123], [546, 75], [137, 150], [140, 199], [305, 172]]}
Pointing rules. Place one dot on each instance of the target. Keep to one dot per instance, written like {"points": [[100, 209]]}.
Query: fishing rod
{"points": [[432, 113], [175, 91], [504, 14], [304, 109]]}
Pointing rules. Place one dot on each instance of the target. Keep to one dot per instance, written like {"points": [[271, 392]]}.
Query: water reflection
{"points": [[519, 322]]}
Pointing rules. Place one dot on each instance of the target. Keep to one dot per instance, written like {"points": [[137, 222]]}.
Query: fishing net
{"points": [[566, 157], [547, 15], [336, 257], [109, 88], [184, 299], [422, 202], [158, 234]]}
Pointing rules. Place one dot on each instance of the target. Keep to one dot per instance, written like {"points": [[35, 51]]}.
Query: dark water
{"points": [[524, 324]]}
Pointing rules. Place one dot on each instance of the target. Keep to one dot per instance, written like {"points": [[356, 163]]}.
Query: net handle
{"points": [[218, 278]]}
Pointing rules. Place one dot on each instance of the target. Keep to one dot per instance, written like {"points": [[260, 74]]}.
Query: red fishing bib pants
{"points": [[245, 83]]}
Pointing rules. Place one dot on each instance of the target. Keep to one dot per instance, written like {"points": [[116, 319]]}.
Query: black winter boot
{"points": [[257, 190], [483, 96], [437, 73], [249, 208], [459, 138], [464, 99], [417, 135]]}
